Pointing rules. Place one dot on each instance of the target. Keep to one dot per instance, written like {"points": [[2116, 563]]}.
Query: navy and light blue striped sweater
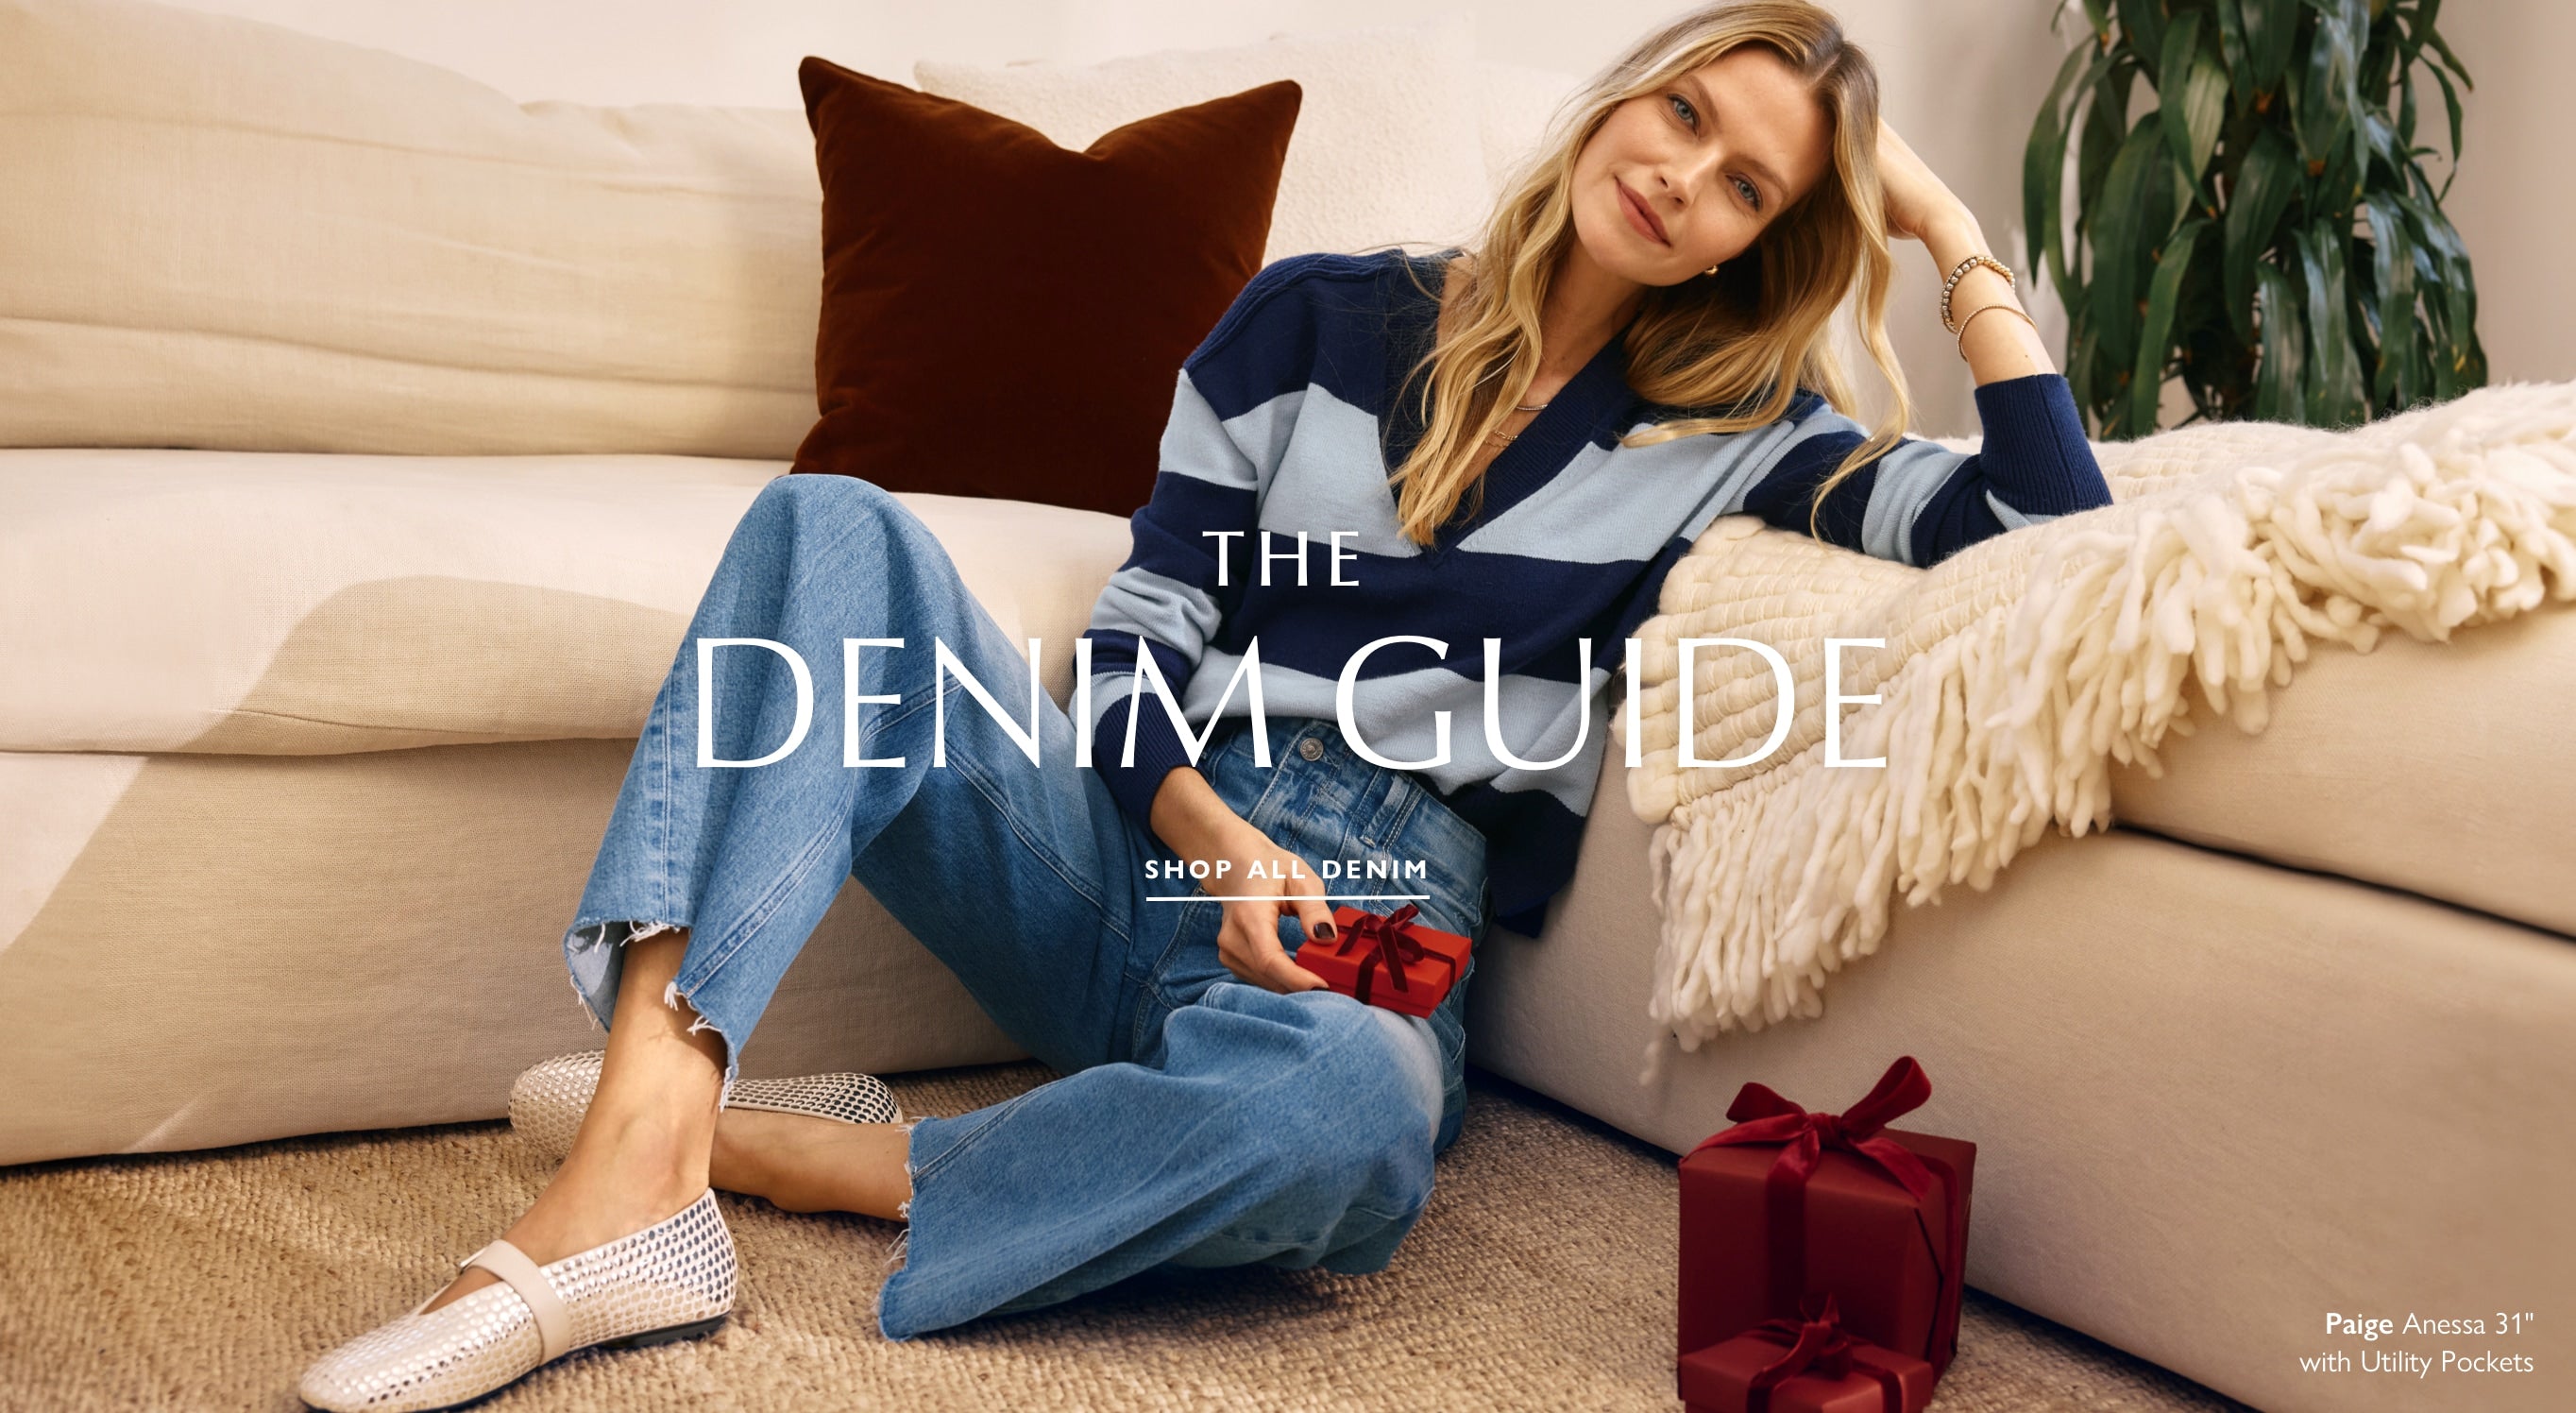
{"points": [[1287, 419]]}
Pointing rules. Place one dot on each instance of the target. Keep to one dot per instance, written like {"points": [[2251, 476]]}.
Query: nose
{"points": [[1685, 174]]}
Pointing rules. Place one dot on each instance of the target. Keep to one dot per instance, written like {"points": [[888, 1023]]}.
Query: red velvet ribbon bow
{"points": [[1392, 944], [1818, 1345], [1762, 1116]]}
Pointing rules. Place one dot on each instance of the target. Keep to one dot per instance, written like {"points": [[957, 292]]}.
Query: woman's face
{"points": [[1686, 175]]}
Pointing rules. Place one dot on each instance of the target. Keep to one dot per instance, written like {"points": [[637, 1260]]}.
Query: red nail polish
{"points": [[1324, 930]]}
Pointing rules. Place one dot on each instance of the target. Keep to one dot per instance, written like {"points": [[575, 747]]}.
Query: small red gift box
{"points": [[1803, 1366], [1388, 960], [1789, 1204]]}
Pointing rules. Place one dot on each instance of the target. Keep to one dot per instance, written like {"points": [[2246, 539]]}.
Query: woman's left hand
{"points": [[1916, 199]]}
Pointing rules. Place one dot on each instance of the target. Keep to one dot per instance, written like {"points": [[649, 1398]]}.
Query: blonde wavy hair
{"points": [[1736, 346]]}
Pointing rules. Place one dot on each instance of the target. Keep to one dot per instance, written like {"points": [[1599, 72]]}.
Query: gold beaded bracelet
{"points": [[1985, 309], [1951, 285]]}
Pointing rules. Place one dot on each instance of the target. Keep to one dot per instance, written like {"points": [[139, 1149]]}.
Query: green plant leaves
{"points": [[2335, 395], [2267, 230], [2143, 21], [2106, 125], [2191, 97], [2140, 193], [2231, 48], [2402, 374], [2269, 27], [2043, 168], [2442, 265], [2280, 383], [2451, 107], [2265, 183], [2329, 92], [2146, 382], [2098, 13]]}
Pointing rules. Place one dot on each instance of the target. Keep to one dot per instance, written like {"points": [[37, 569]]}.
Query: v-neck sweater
{"points": [[1286, 423]]}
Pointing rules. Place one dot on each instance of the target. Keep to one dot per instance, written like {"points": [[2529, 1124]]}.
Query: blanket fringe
{"points": [[2451, 517]]}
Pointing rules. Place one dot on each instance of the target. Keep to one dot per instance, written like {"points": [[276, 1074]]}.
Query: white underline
{"points": [[1294, 897]]}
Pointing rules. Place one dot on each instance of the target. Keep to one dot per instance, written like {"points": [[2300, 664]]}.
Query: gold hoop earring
{"points": [[1713, 269]]}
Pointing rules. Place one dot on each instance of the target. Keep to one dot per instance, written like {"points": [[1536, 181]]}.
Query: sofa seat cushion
{"points": [[288, 604], [2439, 768]]}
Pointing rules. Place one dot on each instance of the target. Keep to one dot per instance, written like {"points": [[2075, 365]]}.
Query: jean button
{"points": [[1311, 748]]}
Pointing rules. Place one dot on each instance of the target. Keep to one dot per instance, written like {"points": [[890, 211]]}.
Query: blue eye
{"points": [[1681, 108]]}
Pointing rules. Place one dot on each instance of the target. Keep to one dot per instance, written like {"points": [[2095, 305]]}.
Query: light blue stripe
{"points": [[1332, 476], [1176, 615], [1239, 454], [1908, 477], [1600, 507], [2014, 519]]}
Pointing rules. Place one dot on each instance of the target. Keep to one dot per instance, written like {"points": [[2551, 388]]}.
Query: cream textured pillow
{"points": [[219, 233], [1388, 144]]}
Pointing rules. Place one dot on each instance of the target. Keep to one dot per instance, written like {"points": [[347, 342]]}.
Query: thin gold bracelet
{"points": [[1985, 308]]}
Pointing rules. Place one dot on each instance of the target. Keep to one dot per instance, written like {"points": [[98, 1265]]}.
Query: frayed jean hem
{"points": [[595, 959]]}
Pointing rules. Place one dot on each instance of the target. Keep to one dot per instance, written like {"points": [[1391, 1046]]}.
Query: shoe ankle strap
{"points": [[554, 1318]]}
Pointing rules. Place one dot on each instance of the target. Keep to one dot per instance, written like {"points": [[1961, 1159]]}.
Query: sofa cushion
{"points": [[1388, 144], [2439, 768], [1003, 316], [220, 233], [287, 605]]}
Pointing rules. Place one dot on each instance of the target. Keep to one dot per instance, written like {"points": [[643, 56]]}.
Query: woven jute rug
{"points": [[1541, 1277]]}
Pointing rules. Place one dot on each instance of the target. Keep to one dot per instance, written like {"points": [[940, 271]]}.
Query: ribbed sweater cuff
{"points": [[1158, 750], [2035, 453]]}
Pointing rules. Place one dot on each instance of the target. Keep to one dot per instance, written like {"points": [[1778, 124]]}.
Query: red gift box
{"points": [[1389, 960], [1789, 1204], [1803, 1366]]}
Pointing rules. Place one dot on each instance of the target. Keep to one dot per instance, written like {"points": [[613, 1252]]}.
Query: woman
{"points": [[1636, 345]]}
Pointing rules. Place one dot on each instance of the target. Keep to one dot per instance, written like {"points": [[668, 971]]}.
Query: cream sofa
{"points": [[371, 438]]}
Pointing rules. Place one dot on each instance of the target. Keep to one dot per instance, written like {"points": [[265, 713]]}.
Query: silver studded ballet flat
{"points": [[673, 1280], [549, 1098]]}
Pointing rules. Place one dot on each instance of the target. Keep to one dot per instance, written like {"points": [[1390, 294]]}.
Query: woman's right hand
{"points": [[1250, 872], [1231, 859]]}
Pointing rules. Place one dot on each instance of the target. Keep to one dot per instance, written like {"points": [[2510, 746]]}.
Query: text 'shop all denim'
{"points": [[1200, 1121]]}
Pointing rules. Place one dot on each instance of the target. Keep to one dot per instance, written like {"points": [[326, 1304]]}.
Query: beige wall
{"points": [[1963, 78], [2515, 215]]}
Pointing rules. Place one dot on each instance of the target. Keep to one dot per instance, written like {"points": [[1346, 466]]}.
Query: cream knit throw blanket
{"points": [[2014, 673]]}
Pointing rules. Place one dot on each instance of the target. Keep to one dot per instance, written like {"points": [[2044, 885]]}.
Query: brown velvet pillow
{"points": [[1002, 317]]}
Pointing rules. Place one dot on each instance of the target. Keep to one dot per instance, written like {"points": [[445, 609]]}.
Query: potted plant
{"points": [[2257, 220]]}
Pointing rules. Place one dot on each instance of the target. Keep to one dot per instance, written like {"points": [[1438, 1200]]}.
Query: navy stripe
{"points": [[1292, 326], [1530, 847]]}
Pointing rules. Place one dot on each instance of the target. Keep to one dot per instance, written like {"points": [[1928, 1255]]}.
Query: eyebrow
{"points": [[1758, 167]]}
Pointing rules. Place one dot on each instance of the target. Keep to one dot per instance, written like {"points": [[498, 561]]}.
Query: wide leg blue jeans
{"points": [[1200, 1120]]}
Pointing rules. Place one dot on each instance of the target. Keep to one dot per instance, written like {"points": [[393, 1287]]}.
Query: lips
{"points": [[1639, 216]]}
